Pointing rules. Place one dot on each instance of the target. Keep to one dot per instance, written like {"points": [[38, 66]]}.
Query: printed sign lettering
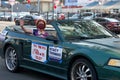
{"points": [[39, 52], [55, 54]]}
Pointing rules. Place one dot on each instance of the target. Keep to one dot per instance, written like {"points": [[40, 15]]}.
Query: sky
{"points": [[83, 2]]}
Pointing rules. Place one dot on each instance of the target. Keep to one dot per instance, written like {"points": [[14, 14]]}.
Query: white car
{"points": [[89, 15]]}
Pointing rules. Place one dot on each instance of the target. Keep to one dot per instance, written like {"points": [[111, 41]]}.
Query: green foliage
{"points": [[20, 0]]}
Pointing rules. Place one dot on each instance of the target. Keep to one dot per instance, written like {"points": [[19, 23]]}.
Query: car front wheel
{"points": [[11, 59], [82, 69]]}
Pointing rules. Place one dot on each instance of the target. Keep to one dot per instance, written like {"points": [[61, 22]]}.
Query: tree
{"points": [[20, 0]]}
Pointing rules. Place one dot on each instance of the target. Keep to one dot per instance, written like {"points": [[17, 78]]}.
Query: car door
{"points": [[35, 52], [45, 55]]}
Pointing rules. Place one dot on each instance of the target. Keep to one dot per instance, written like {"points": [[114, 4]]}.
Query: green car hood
{"points": [[101, 43]]}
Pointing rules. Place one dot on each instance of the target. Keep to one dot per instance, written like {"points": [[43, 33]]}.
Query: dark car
{"points": [[5, 17], [110, 23], [28, 19], [74, 50]]}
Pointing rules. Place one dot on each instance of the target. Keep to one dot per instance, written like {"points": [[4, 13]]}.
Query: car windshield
{"points": [[86, 29], [86, 14], [112, 20]]}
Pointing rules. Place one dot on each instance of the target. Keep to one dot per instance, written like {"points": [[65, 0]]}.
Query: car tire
{"points": [[11, 59], [82, 69]]}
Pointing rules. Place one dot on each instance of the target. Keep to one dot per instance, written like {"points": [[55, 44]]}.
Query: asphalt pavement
{"points": [[3, 24], [24, 74]]}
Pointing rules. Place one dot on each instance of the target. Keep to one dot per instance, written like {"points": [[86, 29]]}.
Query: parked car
{"points": [[74, 50], [111, 23], [5, 17], [50, 16], [28, 19], [74, 16], [61, 16]]}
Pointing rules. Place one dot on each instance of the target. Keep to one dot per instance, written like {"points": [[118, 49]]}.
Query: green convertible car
{"points": [[74, 50]]}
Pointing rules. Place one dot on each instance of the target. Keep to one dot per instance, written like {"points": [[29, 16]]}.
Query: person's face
{"points": [[41, 25], [41, 22]]}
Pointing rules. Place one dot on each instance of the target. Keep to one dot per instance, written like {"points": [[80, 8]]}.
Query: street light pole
{"points": [[38, 6], [12, 2], [53, 9], [12, 13]]}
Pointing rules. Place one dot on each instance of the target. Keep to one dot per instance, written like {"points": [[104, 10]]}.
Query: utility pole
{"points": [[12, 2], [0, 2], [53, 9], [38, 7]]}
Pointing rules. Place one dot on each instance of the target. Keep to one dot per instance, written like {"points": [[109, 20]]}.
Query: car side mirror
{"points": [[52, 38]]}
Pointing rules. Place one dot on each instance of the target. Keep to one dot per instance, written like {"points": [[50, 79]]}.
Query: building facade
{"points": [[43, 5]]}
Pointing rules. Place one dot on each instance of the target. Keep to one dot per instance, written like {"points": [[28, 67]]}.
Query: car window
{"points": [[49, 29], [83, 30], [102, 20], [112, 20], [28, 17], [87, 14], [97, 20]]}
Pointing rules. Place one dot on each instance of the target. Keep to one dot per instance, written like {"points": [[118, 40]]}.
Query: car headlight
{"points": [[114, 62]]}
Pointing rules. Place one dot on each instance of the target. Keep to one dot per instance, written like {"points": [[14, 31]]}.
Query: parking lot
{"points": [[3, 24], [24, 74]]}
